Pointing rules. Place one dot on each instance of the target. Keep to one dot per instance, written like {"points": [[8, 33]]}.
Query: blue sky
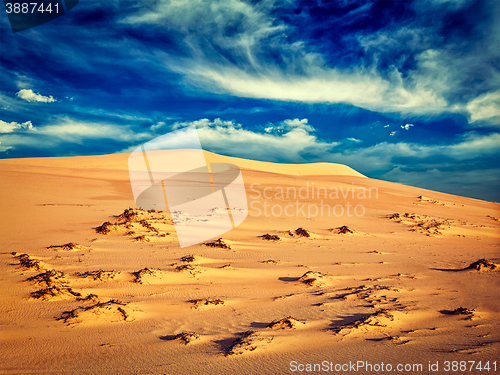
{"points": [[404, 91]]}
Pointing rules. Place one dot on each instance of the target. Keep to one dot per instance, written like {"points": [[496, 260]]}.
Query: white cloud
{"points": [[360, 87], [4, 148], [66, 130], [9, 127], [485, 108], [304, 76], [393, 133], [354, 140], [386, 126], [157, 125], [382, 155], [237, 111], [73, 130], [298, 143], [288, 125], [31, 96], [231, 48], [474, 145], [406, 127], [123, 116], [292, 140]]}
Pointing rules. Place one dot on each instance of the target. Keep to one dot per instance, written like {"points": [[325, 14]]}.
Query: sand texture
{"points": [[92, 284]]}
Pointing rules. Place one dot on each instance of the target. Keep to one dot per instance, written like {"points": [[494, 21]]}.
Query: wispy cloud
{"points": [[250, 54], [290, 140], [226, 111], [485, 108], [62, 132], [158, 125], [4, 148], [361, 71], [9, 127], [74, 130], [294, 141], [355, 140], [31, 96]]}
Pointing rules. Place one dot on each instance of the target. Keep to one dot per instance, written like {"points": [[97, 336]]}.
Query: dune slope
{"points": [[355, 270]]}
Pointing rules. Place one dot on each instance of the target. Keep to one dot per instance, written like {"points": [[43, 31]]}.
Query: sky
{"points": [[402, 91]]}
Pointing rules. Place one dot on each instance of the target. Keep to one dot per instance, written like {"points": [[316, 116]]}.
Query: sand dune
{"points": [[354, 269]]}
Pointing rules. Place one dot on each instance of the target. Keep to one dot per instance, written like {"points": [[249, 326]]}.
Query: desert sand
{"points": [[393, 279]]}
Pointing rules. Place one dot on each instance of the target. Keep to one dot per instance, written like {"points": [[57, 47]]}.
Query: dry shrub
{"points": [[301, 232], [270, 237], [206, 302], [481, 264], [285, 323], [218, 243], [26, 262]]}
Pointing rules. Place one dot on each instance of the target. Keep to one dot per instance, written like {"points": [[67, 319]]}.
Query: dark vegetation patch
{"points": [[343, 230], [301, 232], [72, 316], [105, 228], [67, 246], [149, 227], [197, 303], [468, 313], [269, 261], [187, 337], [141, 273], [285, 323], [49, 278], [54, 291], [270, 237], [142, 238], [26, 262], [188, 268], [98, 274], [421, 223], [248, 341], [188, 258], [311, 278], [480, 265], [218, 243], [371, 320], [128, 215], [89, 297]]}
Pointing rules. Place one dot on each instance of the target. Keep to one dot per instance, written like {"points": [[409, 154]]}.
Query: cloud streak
{"points": [[9, 127], [31, 96], [66, 132], [246, 50], [295, 141], [290, 139]]}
